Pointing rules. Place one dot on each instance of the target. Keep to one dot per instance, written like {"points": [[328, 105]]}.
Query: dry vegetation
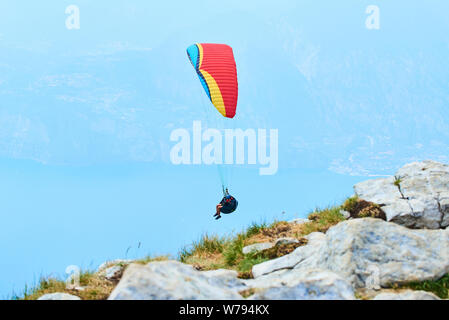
{"points": [[92, 285], [94, 288], [358, 208]]}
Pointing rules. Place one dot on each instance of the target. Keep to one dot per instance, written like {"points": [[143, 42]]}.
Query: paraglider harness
{"points": [[228, 202]]}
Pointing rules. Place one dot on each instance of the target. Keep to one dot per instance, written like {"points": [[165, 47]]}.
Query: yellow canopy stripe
{"points": [[215, 93]]}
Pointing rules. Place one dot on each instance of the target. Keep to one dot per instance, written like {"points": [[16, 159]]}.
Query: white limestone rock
{"points": [[312, 284], [112, 273], [369, 252], [285, 240], [420, 200], [58, 296], [257, 247], [172, 280], [407, 295]]}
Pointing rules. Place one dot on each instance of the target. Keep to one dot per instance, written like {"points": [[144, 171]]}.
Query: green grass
{"points": [[439, 287], [207, 253], [233, 253], [211, 251], [45, 285], [206, 244], [350, 203], [255, 228], [228, 246], [249, 260], [323, 219]]}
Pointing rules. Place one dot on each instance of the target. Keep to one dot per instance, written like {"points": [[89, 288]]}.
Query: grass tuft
{"points": [[439, 287], [323, 219]]}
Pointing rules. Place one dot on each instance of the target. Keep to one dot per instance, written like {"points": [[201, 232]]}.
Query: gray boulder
{"points": [[58, 296], [312, 284], [112, 273], [301, 254], [299, 221], [172, 280], [285, 240], [406, 295], [417, 197], [224, 278], [257, 247]]}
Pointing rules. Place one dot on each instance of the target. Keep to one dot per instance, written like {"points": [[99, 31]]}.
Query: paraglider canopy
{"points": [[215, 65]]}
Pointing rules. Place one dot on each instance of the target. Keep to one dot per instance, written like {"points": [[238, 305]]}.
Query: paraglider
{"points": [[216, 69], [227, 205]]}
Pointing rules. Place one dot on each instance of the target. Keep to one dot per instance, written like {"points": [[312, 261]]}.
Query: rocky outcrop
{"points": [[59, 296], [172, 280], [312, 284], [168, 280], [407, 295], [416, 197], [368, 252]]}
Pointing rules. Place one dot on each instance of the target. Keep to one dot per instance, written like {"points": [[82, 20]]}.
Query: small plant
{"points": [[397, 181]]}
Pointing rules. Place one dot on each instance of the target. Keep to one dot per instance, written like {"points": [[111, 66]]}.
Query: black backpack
{"points": [[229, 204]]}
